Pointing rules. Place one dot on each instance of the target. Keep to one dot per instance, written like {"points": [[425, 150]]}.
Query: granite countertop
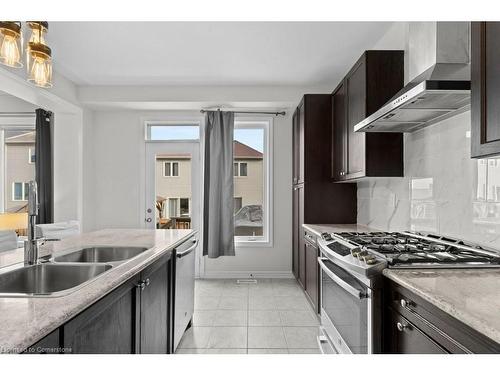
{"points": [[26, 320], [471, 296], [317, 229]]}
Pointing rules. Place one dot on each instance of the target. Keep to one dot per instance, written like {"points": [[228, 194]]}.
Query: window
{"points": [[172, 207], [252, 196], [238, 202], [20, 191], [31, 155], [171, 169], [184, 204], [178, 131], [178, 207], [240, 169]]}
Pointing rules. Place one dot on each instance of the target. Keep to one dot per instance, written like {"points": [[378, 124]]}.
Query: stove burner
{"points": [[403, 248]]}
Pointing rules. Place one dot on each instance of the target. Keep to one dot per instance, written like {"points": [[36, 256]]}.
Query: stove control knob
{"points": [[362, 254], [370, 260], [355, 252]]}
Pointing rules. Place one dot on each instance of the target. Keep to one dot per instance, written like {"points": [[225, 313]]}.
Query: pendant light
{"points": [[39, 55], [11, 44]]}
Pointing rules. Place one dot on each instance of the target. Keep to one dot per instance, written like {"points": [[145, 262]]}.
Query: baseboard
{"points": [[248, 275]]}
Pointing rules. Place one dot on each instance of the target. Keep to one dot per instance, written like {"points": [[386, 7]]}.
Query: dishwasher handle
{"points": [[188, 250]]}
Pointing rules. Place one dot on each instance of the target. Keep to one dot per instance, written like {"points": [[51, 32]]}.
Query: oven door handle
{"points": [[347, 287]]}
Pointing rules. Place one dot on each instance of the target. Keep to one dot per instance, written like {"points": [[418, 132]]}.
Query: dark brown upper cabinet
{"points": [[485, 89], [375, 78]]}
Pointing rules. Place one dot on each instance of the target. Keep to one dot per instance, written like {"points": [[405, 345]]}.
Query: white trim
{"points": [[248, 275], [266, 123]]}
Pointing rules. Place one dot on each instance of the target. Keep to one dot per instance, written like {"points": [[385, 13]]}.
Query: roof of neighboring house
{"points": [[242, 151], [24, 138]]}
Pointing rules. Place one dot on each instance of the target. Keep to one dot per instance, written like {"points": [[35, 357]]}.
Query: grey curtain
{"points": [[218, 197], [43, 166]]}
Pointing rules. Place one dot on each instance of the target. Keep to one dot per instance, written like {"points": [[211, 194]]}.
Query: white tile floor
{"points": [[270, 317]]}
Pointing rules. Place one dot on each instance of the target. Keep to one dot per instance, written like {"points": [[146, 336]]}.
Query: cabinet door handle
{"points": [[402, 326], [147, 281], [406, 304]]}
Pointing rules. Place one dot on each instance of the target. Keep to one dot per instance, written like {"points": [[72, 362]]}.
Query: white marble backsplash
{"points": [[444, 191]]}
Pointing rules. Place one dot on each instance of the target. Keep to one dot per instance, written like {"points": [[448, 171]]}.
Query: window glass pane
{"points": [[173, 132], [172, 207], [249, 192], [18, 191], [184, 206], [243, 169], [235, 169], [18, 145], [175, 169], [237, 204], [167, 169], [32, 156], [26, 191]]}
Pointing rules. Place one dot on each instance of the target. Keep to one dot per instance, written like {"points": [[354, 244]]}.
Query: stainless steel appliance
{"points": [[351, 267], [439, 79], [184, 288]]}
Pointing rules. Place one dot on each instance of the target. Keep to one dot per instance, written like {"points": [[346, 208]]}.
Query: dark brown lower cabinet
{"points": [[312, 273], [155, 308], [107, 327], [407, 338], [48, 345], [412, 325]]}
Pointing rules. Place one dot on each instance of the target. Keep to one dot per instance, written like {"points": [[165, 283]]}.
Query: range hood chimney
{"points": [[439, 79]]}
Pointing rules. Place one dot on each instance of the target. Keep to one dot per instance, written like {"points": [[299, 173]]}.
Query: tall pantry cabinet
{"points": [[316, 199]]}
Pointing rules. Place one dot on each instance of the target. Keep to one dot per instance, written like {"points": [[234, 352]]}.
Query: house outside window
{"points": [[31, 155], [252, 154], [171, 169], [20, 191], [241, 169]]}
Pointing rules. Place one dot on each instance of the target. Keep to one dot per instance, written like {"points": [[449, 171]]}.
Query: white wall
{"points": [[114, 167]]}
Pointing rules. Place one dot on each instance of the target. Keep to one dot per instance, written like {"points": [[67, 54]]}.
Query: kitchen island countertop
{"points": [[26, 320]]}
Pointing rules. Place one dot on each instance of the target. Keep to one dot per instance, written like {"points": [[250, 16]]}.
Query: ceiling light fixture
{"points": [[11, 43], [39, 55]]}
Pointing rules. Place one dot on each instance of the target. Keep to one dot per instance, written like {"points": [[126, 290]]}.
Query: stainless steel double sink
{"points": [[63, 274]]}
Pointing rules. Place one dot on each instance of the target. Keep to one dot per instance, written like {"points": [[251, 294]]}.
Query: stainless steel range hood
{"points": [[439, 72]]}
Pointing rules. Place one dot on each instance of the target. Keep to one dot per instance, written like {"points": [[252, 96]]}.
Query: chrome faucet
{"points": [[32, 243]]}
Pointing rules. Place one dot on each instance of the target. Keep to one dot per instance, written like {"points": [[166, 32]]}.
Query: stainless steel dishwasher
{"points": [[185, 256]]}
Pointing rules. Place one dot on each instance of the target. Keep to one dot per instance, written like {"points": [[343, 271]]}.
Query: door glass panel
{"points": [[173, 195], [348, 314]]}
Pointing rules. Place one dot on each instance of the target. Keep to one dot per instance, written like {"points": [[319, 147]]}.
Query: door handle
{"points": [[149, 220], [188, 250], [347, 287]]}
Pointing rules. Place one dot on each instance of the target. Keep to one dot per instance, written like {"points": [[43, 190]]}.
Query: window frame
{"points": [[238, 168], [24, 190], [265, 123], [31, 154], [171, 169], [178, 206]]}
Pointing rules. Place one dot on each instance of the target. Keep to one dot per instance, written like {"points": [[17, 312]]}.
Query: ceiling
{"points": [[209, 53]]}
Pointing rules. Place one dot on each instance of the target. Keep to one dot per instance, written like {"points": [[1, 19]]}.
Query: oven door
{"points": [[345, 306]]}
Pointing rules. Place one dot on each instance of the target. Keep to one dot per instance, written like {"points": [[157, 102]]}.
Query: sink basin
{"points": [[100, 255], [48, 279]]}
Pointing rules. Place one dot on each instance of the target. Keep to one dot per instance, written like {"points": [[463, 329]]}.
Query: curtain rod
{"points": [[282, 113]]}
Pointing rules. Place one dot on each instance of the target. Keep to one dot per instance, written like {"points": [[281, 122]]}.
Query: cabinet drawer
{"points": [[407, 338], [450, 333]]}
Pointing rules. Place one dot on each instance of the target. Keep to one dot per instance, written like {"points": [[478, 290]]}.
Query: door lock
{"points": [[149, 210]]}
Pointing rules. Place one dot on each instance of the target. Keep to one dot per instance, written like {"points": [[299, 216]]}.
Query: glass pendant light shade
{"points": [[11, 44], [39, 56]]}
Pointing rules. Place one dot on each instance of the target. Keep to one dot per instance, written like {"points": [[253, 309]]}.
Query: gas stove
{"points": [[371, 251]]}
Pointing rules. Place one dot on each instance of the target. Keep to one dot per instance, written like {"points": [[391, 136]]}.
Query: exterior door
{"points": [[173, 189]]}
